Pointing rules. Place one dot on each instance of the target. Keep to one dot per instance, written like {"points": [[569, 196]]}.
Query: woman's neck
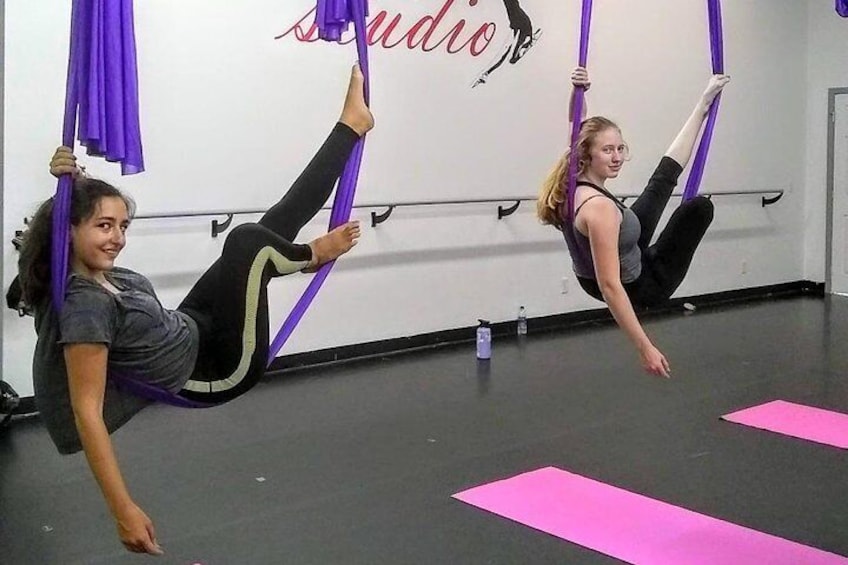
{"points": [[97, 276], [588, 176]]}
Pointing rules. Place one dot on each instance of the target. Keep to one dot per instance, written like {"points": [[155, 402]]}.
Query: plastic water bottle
{"points": [[521, 325], [484, 340]]}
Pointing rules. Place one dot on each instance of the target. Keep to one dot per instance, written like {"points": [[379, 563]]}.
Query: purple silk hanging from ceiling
{"points": [[333, 18], [577, 108], [696, 173], [102, 88]]}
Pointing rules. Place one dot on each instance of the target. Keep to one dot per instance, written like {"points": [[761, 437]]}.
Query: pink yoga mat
{"points": [[796, 420], [632, 527]]}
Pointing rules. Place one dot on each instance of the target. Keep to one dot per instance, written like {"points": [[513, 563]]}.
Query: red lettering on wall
{"points": [[427, 33]]}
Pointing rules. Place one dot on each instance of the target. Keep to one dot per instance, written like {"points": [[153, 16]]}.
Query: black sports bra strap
{"points": [[600, 189], [577, 211], [593, 185]]}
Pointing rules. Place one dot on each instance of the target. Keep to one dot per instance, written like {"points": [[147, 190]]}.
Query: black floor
{"points": [[357, 464]]}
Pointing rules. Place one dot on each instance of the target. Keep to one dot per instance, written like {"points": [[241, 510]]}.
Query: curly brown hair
{"points": [[34, 261]]}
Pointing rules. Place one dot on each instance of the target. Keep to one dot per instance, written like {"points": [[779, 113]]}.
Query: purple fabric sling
{"points": [[102, 90], [102, 85], [332, 18], [717, 51], [577, 111], [576, 124], [693, 183]]}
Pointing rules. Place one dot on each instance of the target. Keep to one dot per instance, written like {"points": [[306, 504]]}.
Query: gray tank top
{"points": [[630, 256]]}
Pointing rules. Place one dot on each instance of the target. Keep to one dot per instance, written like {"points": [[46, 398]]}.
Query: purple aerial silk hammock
{"points": [[332, 18], [697, 171], [842, 8], [576, 124], [693, 183], [102, 90], [102, 85]]}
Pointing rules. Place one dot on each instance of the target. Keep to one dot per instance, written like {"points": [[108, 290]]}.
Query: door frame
{"points": [[832, 93]]}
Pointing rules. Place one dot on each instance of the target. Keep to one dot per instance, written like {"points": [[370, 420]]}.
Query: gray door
{"points": [[839, 247]]}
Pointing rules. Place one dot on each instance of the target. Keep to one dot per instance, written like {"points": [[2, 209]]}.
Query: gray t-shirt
{"points": [[145, 340]]}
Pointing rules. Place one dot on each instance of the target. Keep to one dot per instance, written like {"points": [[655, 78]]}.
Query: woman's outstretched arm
{"points": [[86, 366], [603, 221]]}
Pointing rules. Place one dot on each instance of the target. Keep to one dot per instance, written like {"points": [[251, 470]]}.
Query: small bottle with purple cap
{"points": [[484, 340]]}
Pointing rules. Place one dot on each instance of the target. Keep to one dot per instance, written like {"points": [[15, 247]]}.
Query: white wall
{"points": [[229, 115], [827, 67]]}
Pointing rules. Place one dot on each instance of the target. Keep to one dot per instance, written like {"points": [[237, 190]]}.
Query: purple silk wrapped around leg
{"points": [[142, 389], [693, 183], [332, 17], [102, 85]]}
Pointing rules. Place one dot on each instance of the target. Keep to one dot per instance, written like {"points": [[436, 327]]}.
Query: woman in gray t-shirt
{"points": [[212, 348], [610, 245]]}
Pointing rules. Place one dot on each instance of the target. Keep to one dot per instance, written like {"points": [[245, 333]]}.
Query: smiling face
{"points": [[98, 239], [607, 154]]}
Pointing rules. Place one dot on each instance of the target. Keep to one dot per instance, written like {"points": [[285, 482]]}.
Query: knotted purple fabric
{"points": [[102, 85], [842, 8], [333, 18], [693, 183]]}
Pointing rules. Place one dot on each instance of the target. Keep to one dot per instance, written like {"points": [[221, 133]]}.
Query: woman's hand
{"points": [[64, 162], [714, 86], [654, 362], [136, 531], [580, 77]]}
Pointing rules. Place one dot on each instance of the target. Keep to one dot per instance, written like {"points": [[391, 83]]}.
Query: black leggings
{"points": [[230, 301], [665, 263]]}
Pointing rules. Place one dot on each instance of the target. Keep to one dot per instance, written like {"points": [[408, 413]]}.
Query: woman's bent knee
{"points": [[702, 207]]}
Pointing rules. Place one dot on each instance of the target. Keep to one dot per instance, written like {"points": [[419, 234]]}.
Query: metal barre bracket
{"points": [[377, 219], [504, 212], [221, 227], [769, 201]]}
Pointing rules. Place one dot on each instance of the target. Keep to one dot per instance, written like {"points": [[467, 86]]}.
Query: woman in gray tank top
{"points": [[610, 244]]}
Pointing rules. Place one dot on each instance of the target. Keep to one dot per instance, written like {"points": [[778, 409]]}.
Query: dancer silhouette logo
{"points": [[524, 36]]}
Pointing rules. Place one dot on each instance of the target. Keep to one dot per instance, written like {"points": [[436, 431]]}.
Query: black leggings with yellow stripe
{"points": [[230, 301]]}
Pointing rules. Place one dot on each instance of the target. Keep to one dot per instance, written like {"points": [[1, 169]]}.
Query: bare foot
{"points": [[333, 245], [355, 113]]}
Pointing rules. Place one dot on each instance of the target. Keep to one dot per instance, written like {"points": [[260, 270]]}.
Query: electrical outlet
{"points": [[564, 285]]}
